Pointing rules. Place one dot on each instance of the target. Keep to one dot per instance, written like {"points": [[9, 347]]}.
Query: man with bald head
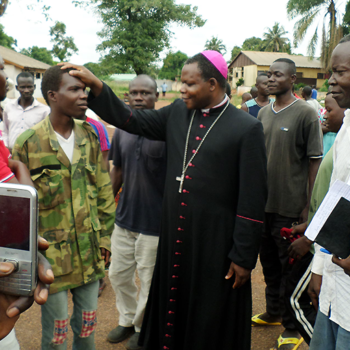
{"points": [[140, 164]]}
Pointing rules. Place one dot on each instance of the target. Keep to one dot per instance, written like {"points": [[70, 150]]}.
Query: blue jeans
{"points": [[54, 319], [328, 335]]}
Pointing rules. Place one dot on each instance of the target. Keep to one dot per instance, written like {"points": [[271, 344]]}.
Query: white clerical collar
{"points": [[217, 106]]}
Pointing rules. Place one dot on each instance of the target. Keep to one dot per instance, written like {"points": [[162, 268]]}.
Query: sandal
{"points": [[286, 341], [256, 321]]}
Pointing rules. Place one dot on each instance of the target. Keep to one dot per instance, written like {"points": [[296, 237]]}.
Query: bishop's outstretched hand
{"points": [[87, 77]]}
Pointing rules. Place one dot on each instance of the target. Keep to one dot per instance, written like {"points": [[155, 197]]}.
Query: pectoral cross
{"points": [[181, 179]]}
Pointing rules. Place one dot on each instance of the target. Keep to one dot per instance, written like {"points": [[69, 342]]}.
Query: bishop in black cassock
{"points": [[212, 213]]}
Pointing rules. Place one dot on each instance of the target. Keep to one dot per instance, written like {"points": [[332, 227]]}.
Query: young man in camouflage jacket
{"points": [[76, 208]]}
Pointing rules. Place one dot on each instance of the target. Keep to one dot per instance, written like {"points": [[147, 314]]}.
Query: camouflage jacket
{"points": [[76, 204]]}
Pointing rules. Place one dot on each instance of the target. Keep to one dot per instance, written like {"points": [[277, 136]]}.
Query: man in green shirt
{"points": [[76, 207]]}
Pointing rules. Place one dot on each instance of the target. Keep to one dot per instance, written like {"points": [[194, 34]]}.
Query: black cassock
{"points": [[215, 219]]}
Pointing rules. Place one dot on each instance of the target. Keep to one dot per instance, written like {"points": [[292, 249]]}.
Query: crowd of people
{"points": [[205, 188]]}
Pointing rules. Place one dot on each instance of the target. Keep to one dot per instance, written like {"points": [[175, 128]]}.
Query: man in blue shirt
{"points": [[141, 165]]}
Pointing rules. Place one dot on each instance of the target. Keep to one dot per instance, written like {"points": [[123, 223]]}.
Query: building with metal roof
{"points": [[249, 64], [16, 63]]}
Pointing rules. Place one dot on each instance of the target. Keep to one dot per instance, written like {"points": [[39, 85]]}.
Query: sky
{"points": [[232, 21]]}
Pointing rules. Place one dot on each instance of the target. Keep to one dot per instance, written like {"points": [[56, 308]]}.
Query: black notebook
{"points": [[335, 233]]}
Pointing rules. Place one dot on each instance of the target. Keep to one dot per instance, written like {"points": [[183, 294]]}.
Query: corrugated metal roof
{"points": [[262, 58], [21, 61]]}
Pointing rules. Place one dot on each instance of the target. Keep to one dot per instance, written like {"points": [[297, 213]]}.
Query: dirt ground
{"points": [[28, 327]]}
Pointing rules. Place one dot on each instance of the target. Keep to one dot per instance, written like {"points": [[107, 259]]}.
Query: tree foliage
{"points": [[39, 53], [308, 12], [106, 67], [235, 51], [136, 31], [215, 44], [346, 19], [6, 40], [253, 44], [64, 46], [172, 65], [274, 40]]}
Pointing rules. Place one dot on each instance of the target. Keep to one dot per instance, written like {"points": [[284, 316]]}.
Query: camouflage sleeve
{"points": [[20, 152], [105, 203]]}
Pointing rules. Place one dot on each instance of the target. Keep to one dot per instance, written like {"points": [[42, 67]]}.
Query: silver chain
{"points": [[184, 166]]}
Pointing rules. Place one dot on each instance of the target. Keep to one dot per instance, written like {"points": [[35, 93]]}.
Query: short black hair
{"points": [[291, 64], [52, 80], [154, 83], [25, 75], [345, 39], [260, 75], [207, 69], [307, 90], [228, 89]]}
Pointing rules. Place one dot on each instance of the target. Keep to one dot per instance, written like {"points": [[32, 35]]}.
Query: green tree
{"points": [[172, 65], [346, 19], [64, 46], [308, 12], [39, 53], [135, 32], [235, 51], [106, 67], [215, 44], [6, 40], [253, 44], [275, 40]]}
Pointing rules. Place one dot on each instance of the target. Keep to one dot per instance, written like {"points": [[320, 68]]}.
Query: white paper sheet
{"points": [[338, 190]]}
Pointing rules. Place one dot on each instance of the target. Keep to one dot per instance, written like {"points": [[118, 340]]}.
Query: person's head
{"points": [[340, 80], [261, 85], [246, 97], [228, 90], [254, 92], [334, 115], [64, 93], [25, 85], [3, 80], [203, 79], [307, 92], [143, 92], [281, 76]]}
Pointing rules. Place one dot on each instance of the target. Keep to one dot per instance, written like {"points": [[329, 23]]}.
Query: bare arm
{"points": [[116, 179], [21, 172], [314, 164]]}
